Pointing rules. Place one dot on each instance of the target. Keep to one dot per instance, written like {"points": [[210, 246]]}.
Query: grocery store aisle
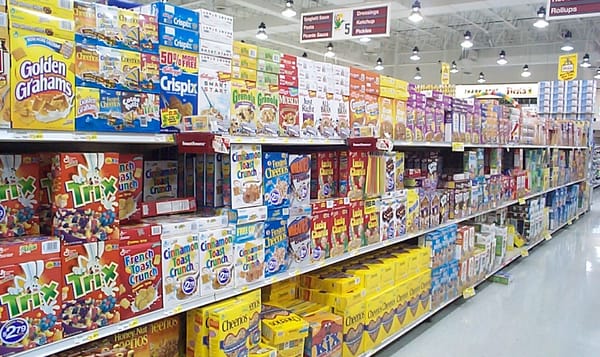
{"points": [[551, 309]]}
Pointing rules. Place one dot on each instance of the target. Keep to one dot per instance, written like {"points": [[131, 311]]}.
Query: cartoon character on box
{"points": [[29, 293], [324, 175], [386, 219], [320, 231], [358, 173], [90, 294], [339, 234], [85, 200], [140, 270], [300, 170], [216, 260], [357, 225], [276, 179], [19, 195]]}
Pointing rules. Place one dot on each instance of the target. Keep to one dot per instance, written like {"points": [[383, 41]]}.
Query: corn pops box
{"points": [[30, 293], [85, 189], [90, 294], [299, 239], [160, 180], [180, 268], [243, 108], [42, 81], [276, 180], [276, 246], [216, 260], [300, 171], [131, 169], [289, 119], [19, 195], [246, 176], [249, 253], [140, 270]]}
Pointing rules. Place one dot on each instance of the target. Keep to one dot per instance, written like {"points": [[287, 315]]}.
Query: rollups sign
{"points": [[566, 9], [346, 24]]}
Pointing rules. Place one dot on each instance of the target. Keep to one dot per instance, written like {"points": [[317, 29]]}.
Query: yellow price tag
{"points": [[524, 252], [171, 138], [468, 293], [570, 222], [244, 288], [548, 236], [177, 309], [36, 136], [134, 323], [458, 147], [521, 201], [296, 272], [93, 336], [321, 264]]}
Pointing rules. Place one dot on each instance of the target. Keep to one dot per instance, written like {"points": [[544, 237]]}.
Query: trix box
{"points": [[29, 293], [90, 293], [131, 170], [178, 87], [168, 14], [140, 273], [85, 187], [276, 179], [19, 195]]}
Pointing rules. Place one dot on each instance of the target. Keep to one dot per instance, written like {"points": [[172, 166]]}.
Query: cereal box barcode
{"points": [[66, 25], [143, 122], [65, 4], [145, 210], [51, 247], [252, 53], [156, 230]]}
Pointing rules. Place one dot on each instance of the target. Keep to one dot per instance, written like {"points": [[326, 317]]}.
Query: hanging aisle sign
{"points": [[346, 24], [567, 67], [566, 9]]}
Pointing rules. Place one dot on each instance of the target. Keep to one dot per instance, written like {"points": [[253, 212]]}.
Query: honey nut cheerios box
{"points": [[30, 293], [90, 292], [159, 338], [42, 81]]}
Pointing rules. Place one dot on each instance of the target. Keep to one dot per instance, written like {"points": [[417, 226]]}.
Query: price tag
{"points": [[36, 135], [458, 147], [321, 264], [548, 236], [171, 138], [93, 336], [244, 288], [134, 323], [177, 309], [468, 293], [524, 252], [296, 272], [521, 201], [570, 222]]}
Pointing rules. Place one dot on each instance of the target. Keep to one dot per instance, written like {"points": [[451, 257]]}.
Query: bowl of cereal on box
{"points": [[51, 106]]}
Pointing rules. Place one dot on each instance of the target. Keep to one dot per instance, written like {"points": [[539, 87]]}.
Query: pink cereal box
{"points": [[90, 294], [19, 195], [131, 169], [180, 267], [160, 180], [85, 189], [29, 293], [216, 260], [246, 176]]}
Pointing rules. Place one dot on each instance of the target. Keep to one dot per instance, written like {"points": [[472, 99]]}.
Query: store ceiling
{"points": [[495, 25]]}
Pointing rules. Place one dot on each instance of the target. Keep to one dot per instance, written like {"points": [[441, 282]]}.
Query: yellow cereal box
{"points": [[333, 282], [424, 289], [58, 8], [325, 335], [263, 350], [353, 329], [374, 313], [197, 328], [403, 315], [42, 23], [389, 323], [228, 330], [4, 73], [413, 285], [369, 275], [42, 85], [386, 270], [281, 326], [253, 302]]}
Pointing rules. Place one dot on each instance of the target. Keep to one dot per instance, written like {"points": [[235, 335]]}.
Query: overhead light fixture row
{"points": [[379, 65], [597, 76], [261, 33], [541, 22], [502, 58], [415, 13], [567, 46], [526, 73], [330, 53], [289, 11], [585, 62], [454, 67], [418, 76], [415, 54], [481, 78], [468, 40]]}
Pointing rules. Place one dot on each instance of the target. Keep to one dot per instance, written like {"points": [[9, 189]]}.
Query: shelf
{"points": [[276, 140], [9, 135], [434, 144], [202, 301]]}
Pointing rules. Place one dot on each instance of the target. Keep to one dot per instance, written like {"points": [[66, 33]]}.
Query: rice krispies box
{"points": [[91, 286], [180, 267], [216, 260], [19, 195], [246, 176], [178, 87], [289, 110], [140, 271], [131, 170], [299, 239], [300, 170], [30, 293], [276, 179], [249, 253], [85, 189]]}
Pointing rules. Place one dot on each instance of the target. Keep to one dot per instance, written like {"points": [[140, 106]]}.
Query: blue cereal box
{"points": [[178, 87], [105, 67], [172, 15], [276, 245], [176, 37], [276, 180]]}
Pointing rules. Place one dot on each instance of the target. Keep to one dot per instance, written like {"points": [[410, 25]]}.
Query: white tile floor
{"points": [[551, 309]]}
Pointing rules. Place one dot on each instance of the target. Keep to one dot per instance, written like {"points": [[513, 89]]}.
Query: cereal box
{"points": [[140, 272], [85, 187], [357, 113], [280, 326], [148, 25], [178, 38], [216, 260], [107, 30], [338, 239], [246, 176], [249, 253], [160, 180], [386, 219], [159, 338], [172, 15], [300, 170], [320, 230], [357, 162], [180, 268], [104, 67], [308, 113], [276, 246], [325, 335], [267, 105], [253, 301], [228, 330], [149, 73], [374, 312], [19, 194], [243, 108], [413, 210], [214, 79], [299, 239], [400, 213], [5, 112], [216, 49], [386, 117], [355, 319], [372, 234], [263, 350], [289, 121], [341, 115], [327, 125], [129, 29], [85, 21], [42, 23], [61, 9], [276, 179], [178, 87], [372, 115], [400, 120], [29, 293], [357, 225], [42, 84], [323, 175], [217, 20], [130, 187], [91, 293]]}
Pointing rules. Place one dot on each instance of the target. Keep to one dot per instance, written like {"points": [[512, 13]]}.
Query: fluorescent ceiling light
{"points": [[468, 42], [415, 13], [525, 73], [481, 78], [415, 54], [289, 9], [418, 76], [502, 58], [261, 33]]}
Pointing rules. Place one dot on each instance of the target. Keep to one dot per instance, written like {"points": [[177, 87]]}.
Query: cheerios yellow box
{"points": [[253, 301], [197, 329], [333, 282], [42, 81], [228, 330], [413, 285], [424, 289], [354, 317], [374, 313], [402, 296], [389, 323], [369, 275]]}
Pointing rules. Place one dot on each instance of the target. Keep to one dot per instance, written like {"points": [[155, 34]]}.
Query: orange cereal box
{"points": [[159, 338], [29, 293], [19, 195], [131, 172], [85, 189], [42, 81], [90, 292]]}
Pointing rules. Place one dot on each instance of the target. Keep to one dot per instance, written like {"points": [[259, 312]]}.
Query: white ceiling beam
{"points": [[500, 18]]}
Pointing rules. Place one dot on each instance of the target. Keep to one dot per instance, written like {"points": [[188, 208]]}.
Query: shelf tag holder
{"points": [[468, 293]]}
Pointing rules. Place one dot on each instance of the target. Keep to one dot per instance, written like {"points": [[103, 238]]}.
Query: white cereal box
{"points": [[299, 180], [160, 180], [308, 114], [246, 175], [181, 267], [214, 82], [216, 260], [249, 254]]}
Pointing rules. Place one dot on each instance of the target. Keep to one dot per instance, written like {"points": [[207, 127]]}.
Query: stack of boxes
{"points": [[444, 264], [289, 107], [267, 98], [243, 89], [528, 219]]}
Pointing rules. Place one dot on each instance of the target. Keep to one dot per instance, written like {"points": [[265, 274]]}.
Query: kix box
{"points": [[30, 293], [42, 81], [325, 335]]}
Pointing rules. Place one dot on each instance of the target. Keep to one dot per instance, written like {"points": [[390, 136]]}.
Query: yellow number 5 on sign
{"points": [[567, 67]]}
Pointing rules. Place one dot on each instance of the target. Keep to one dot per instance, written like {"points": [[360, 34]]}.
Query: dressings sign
{"points": [[565, 9], [346, 24]]}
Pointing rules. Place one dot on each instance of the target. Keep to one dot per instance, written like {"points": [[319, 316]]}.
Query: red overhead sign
{"points": [[565, 9], [346, 24]]}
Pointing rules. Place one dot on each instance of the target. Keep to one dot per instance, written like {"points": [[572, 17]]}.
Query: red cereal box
{"points": [[320, 231], [338, 239], [45, 196], [371, 222], [29, 293], [140, 273], [19, 195], [323, 175], [90, 290], [357, 162], [131, 170], [85, 193], [357, 224], [289, 119]]}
